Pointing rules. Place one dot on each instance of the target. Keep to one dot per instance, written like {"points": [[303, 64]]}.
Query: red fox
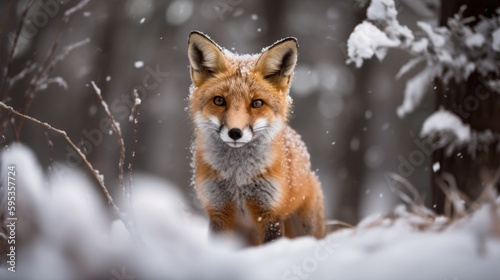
{"points": [[247, 160]]}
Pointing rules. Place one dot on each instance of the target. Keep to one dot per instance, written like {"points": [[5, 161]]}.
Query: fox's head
{"points": [[240, 98]]}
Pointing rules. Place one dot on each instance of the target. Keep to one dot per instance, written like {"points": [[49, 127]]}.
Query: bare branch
{"points": [[336, 224], [30, 67], [50, 144], [94, 172], [4, 91], [76, 8], [116, 128], [454, 198], [134, 115], [489, 197], [3, 140], [50, 61], [415, 202], [55, 80], [67, 50]]}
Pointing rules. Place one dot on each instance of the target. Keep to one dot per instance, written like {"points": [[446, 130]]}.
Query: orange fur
{"points": [[297, 205]]}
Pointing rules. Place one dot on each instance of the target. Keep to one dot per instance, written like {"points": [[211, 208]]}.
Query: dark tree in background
{"points": [[350, 164], [477, 106]]}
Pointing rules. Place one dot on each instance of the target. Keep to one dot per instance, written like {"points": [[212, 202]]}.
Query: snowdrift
{"points": [[65, 232]]}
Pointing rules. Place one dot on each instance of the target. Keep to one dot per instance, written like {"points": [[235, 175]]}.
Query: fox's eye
{"points": [[257, 103], [219, 101]]}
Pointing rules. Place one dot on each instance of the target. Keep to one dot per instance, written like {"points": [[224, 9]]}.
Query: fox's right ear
{"points": [[205, 57]]}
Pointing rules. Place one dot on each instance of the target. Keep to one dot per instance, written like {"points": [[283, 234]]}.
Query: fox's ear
{"points": [[276, 64], [205, 57]]}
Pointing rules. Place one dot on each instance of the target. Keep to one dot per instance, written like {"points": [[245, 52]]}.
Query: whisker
{"points": [[263, 127], [209, 124]]}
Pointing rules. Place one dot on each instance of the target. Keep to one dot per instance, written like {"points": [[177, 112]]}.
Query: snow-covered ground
{"points": [[63, 232]]}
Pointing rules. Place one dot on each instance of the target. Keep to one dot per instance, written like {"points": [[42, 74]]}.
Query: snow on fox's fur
{"points": [[248, 161]]}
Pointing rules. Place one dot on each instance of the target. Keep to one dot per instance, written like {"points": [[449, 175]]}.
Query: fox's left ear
{"points": [[276, 64]]}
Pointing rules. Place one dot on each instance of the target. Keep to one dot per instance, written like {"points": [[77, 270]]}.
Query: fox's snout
{"points": [[238, 134], [236, 137]]}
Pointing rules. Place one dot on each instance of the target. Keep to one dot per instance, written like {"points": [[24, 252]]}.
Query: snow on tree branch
{"points": [[67, 50], [451, 52], [76, 8], [415, 90], [444, 120], [368, 39], [449, 132], [21, 75]]}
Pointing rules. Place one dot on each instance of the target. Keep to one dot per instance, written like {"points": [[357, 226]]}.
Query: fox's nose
{"points": [[235, 133]]}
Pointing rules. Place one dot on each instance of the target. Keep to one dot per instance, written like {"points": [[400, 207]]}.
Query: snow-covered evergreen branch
{"points": [[451, 52]]}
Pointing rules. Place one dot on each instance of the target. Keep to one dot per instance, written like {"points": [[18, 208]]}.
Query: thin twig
{"points": [[50, 144], [66, 51], [30, 95], [3, 29], [4, 91], [49, 64], [489, 197], [30, 67], [76, 8], [12, 121], [134, 115], [94, 172], [3, 141], [116, 128], [416, 203], [333, 223], [454, 197]]}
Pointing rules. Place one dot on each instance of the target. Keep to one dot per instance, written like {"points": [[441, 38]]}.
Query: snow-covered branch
{"points": [[21, 75], [448, 131], [452, 52], [76, 8]]}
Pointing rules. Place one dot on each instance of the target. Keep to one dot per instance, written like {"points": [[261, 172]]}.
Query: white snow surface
{"points": [[70, 240], [445, 121]]}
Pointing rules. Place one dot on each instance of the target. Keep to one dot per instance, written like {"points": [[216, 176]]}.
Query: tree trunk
{"points": [[478, 107], [351, 147]]}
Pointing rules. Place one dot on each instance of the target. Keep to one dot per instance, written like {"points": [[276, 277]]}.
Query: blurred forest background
{"points": [[347, 116]]}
